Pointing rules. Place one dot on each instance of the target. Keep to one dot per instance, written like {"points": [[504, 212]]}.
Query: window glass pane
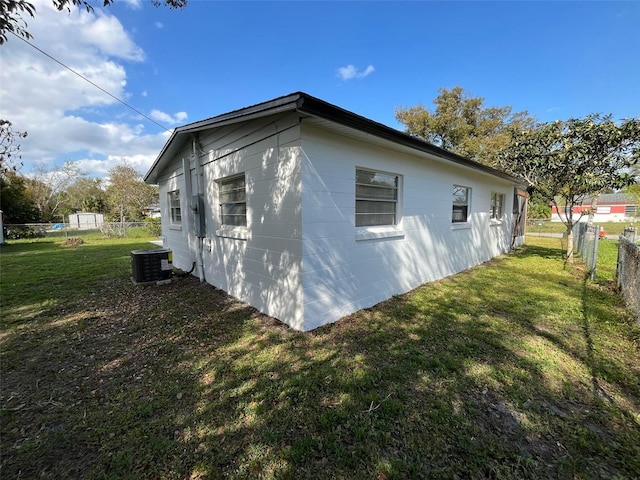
{"points": [[459, 214], [234, 208], [373, 219], [232, 184], [460, 195], [376, 178], [370, 191], [376, 198], [233, 196], [174, 206], [364, 206], [235, 220]]}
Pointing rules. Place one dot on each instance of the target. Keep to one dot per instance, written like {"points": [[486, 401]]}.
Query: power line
{"points": [[92, 83]]}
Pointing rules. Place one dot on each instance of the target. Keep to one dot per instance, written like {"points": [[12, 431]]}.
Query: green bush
{"points": [[153, 226]]}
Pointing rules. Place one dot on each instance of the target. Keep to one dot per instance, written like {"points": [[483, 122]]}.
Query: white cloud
{"points": [[66, 117], [133, 4], [350, 72], [108, 35], [179, 117], [159, 25]]}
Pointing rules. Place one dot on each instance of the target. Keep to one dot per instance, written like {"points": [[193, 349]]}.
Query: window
{"points": [[631, 210], [376, 198], [497, 206], [461, 196], [174, 206], [233, 201]]}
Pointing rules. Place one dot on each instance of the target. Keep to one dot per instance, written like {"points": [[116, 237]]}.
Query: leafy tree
{"points": [[12, 12], [86, 195], [566, 161], [127, 194], [16, 203], [462, 124], [634, 189], [9, 146]]}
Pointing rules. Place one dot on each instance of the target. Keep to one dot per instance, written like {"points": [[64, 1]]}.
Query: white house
{"points": [[309, 212]]}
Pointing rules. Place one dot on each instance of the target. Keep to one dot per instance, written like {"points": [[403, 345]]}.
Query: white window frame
{"points": [[175, 210], [380, 230], [232, 230], [496, 206], [466, 205]]}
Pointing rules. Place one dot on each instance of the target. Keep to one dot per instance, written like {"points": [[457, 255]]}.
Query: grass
{"points": [[515, 369], [545, 226]]}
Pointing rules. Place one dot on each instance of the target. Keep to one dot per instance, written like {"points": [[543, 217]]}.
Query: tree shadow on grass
{"points": [[182, 381]]}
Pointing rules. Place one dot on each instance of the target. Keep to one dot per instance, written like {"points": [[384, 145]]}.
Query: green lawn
{"points": [[545, 226], [515, 369]]}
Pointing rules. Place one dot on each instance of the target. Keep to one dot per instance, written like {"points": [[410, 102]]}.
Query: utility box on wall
{"points": [[151, 266]]}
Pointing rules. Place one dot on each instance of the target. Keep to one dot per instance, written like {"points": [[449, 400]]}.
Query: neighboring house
{"points": [[85, 220], [309, 212], [610, 207], [152, 211]]}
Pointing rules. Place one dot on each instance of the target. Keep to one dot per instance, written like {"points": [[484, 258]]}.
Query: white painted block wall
{"points": [[300, 260], [342, 274]]}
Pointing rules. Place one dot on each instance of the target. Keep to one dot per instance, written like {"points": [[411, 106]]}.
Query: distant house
{"points": [[152, 211], [309, 212], [610, 207], [85, 220]]}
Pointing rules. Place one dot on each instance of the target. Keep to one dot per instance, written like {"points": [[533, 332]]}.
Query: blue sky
{"points": [[554, 59]]}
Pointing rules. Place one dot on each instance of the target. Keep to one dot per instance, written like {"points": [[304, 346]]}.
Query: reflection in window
{"points": [[460, 213]]}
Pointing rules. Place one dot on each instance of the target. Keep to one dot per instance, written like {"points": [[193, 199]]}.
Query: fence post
{"points": [[630, 234], [594, 261]]}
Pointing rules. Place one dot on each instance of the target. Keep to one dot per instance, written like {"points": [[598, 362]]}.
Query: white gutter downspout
{"points": [[200, 209]]}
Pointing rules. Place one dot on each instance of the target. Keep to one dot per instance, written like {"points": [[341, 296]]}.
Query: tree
{"points": [[16, 203], [12, 13], [86, 195], [48, 188], [127, 194], [566, 161], [9, 146], [463, 125]]}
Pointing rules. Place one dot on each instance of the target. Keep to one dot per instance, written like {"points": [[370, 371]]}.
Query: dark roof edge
{"points": [[316, 107], [313, 106]]}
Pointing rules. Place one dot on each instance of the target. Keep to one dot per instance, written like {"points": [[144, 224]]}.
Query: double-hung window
{"points": [[174, 206], [461, 202], [233, 201], [376, 198], [496, 210]]}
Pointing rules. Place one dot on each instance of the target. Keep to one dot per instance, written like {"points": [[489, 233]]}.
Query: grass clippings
{"points": [[515, 369]]}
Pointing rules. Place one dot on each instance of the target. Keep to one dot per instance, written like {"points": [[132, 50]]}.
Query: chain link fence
{"points": [[585, 242], [628, 270], [65, 230]]}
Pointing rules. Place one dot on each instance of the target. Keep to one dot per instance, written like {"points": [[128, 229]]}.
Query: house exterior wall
{"points": [[301, 258], [347, 268], [259, 264]]}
